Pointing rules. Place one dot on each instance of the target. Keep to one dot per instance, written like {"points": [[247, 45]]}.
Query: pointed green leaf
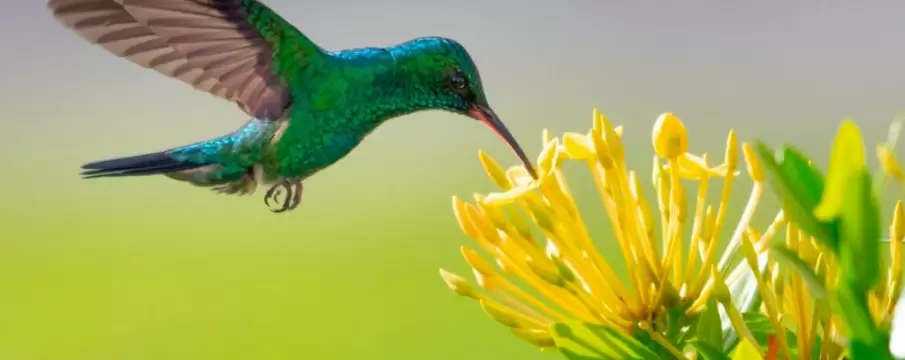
{"points": [[859, 257], [709, 328], [577, 340], [708, 352], [758, 323], [846, 159], [855, 313], [816, 283], [799, 186], [849, 198], [863, 351], [760, 326]]}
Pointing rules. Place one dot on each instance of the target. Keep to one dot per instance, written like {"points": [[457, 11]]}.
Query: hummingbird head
{"points": [[441, 75]]}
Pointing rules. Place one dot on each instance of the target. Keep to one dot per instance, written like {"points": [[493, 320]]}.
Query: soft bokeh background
{"points": [[153, 269]]}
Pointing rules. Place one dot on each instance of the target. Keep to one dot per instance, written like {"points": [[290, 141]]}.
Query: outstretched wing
{"points": [[238, 50]]}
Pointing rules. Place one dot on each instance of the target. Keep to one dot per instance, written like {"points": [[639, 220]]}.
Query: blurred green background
{"points": [[153, 269]]}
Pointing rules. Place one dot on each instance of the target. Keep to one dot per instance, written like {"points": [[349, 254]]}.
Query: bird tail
{"points": [[140, 165]]}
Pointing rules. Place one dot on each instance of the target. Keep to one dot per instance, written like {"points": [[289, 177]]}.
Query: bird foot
{"points": [[290, 201]]}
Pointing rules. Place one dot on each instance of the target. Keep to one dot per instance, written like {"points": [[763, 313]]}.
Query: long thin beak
{"points": [[487, 116]]}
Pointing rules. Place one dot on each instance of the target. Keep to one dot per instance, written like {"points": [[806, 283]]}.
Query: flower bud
{"points": [[669, 136]]}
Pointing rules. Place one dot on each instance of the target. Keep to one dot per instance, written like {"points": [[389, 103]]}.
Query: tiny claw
{"points": [[272, 194], [296, 196], [290, 202]]}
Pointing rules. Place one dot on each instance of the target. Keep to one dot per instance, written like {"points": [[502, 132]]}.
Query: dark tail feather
{"points": [[140, 165]]}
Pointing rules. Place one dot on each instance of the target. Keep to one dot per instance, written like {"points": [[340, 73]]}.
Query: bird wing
{"points": [[238, 50]]}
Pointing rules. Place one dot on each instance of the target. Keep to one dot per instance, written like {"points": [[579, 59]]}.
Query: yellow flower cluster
{"points": [[572, 280], [561, 276]]}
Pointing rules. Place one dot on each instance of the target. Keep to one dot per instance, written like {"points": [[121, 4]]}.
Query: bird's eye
{"points": [[458, 81]]}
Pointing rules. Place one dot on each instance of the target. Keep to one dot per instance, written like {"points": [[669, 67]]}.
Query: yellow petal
{"points": [[476, 262], [546, 162], [502, 314], [545, 136], [897, 229], [599, 142], [482, 225], [492, 213], [694, 167], [546, 272], [494, 171], [578, 147], [519, 176], [707, 225], [612, 139], [521, 225], [539, 337], [730, 159], [755, 170], [656, 175], [464, 222], [458, 284], [508, 197]]}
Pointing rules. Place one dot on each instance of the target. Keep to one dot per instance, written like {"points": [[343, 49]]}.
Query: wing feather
{"points": [[224, 47]]}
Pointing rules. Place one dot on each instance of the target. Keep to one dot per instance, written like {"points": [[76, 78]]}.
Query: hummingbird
{"points": [[308, 107]]}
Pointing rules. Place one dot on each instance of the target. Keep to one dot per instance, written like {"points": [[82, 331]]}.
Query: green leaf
{"points": [[709, 327], [862, 351], [760, 326], [865, 340], [815, 282], [758, 323], [846, 159], [678, 330], [799, 186], [583, 341], [708, 352], [850, 198], [762, 329], [859, 257], [856, 315]]}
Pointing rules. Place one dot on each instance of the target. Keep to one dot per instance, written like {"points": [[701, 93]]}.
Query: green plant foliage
{"points": [[815, 282], [846, 220], [709, 331], [849, 197], [709, 352], [799, 186]]}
